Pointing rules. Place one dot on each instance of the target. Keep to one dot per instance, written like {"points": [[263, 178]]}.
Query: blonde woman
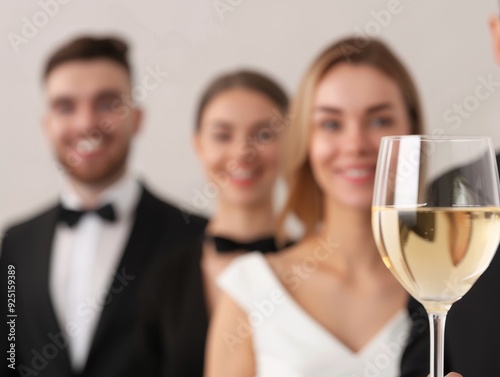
{"points": [[328, 306]]}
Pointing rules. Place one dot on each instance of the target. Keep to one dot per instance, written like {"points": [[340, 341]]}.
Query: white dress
{"points": [[288, 342]]}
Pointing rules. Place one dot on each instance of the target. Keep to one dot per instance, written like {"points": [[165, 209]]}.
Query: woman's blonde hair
{"points": [[305, 198]]}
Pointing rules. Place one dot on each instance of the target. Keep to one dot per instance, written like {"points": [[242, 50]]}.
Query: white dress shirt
{"points": [[84, 262]]}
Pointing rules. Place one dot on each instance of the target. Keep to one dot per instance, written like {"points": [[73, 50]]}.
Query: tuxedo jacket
{"points": [[473, 326], [175, 313], [472, 339], [40, 345]]}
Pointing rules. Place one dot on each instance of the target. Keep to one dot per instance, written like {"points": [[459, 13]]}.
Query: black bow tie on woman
{"points": [[71, 216], [226, 245]]}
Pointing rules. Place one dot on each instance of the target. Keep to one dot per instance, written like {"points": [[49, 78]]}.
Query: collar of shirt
{"points": [[123, 194]]}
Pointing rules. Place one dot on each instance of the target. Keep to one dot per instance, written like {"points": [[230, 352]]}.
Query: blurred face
{"points": [[495, 33], [354, 106], [238, 146], [89, 123]]}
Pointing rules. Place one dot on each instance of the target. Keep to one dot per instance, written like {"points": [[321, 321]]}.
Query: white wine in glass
{"points": [[436, 219]]}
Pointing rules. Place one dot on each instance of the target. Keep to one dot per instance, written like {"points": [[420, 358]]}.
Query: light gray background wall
{"points": [[446, 45]]}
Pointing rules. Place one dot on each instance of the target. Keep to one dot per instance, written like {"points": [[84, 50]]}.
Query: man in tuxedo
{"points": [[73, 272], [473, 324]]}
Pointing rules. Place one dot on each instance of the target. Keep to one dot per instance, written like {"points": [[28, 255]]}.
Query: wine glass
{"points": [[436, 219]]}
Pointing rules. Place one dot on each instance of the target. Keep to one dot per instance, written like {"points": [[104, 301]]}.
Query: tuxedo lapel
{"points": [[37, 265]]}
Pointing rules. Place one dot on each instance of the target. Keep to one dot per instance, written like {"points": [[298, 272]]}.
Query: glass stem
{"points": [[437, 322]]}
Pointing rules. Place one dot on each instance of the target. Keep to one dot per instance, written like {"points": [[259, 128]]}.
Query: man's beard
{"points": [[99, 174]]}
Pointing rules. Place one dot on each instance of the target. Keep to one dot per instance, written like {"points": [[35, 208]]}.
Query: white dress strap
{"points": [[249, 281]]}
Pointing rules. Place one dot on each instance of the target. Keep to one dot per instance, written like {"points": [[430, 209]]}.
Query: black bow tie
{"points": [[71, 217], [225, 245]]}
